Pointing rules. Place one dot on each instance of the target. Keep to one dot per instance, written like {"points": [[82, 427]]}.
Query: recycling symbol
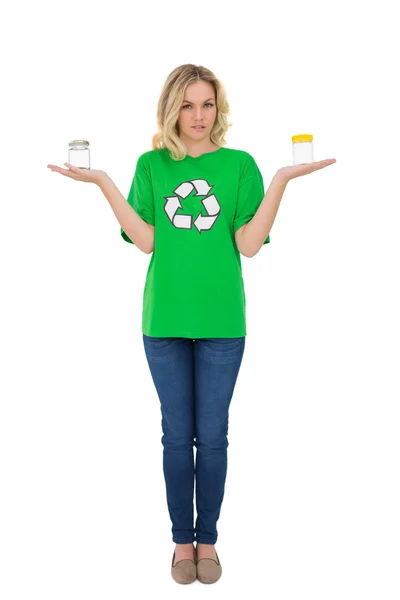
{"points": [[210, 203]]}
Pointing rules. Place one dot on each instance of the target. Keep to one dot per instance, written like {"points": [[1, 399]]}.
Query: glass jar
{"points": [[79, 154], [303, 151]]}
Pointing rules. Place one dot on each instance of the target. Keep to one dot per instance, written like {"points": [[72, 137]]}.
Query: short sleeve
{"points": [[250, 194], [141, 196]]}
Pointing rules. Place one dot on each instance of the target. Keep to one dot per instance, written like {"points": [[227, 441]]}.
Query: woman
{"points": [[196, 206]]}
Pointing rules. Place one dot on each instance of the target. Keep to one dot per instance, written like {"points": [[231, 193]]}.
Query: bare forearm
{"points": [[257, 229], [140, 232]]}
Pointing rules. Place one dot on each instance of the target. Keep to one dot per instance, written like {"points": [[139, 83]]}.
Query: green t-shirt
{"points": [[194, 286]]}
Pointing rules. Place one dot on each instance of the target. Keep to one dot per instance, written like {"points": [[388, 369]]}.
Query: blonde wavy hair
{"points": [[170, 103]]}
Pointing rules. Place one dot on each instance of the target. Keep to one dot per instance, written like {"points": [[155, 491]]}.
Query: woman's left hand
{"points": [[288, 173]]}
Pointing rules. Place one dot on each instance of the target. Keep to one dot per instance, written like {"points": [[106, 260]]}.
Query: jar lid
{"points": [[79, 143], [304, 137]]}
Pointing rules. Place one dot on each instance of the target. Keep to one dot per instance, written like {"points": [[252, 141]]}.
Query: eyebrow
{"points": [[188, 101]]}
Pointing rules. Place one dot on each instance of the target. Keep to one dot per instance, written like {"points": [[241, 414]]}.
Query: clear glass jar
{"points": [[79, 154], [303, 151]]}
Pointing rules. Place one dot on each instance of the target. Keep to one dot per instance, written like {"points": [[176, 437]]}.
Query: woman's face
{"points": [[198, 108]]}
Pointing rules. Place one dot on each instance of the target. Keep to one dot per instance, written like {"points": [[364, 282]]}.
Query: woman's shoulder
{"points": [[245, 154], [147, 159], [149, 154], [242, 155]]}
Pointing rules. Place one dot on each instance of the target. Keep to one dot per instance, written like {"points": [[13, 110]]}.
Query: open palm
{"points": [[293, 171], [87, 175]]}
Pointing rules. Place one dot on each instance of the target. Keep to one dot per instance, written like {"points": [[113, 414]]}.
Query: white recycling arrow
{"points": [[200, 185], [203, 222], [171, 206], [211, 205]]}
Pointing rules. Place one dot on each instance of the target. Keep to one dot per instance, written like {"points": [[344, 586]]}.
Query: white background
{"points": [[312, 492]]}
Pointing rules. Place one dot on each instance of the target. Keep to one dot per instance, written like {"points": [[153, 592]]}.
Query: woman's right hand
{"points": [[87, 175]]}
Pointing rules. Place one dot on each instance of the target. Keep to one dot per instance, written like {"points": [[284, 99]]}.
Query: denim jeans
{"points": [[195, 380]]}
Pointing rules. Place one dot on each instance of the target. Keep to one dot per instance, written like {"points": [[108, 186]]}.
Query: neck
{"points": [[194, 148]]}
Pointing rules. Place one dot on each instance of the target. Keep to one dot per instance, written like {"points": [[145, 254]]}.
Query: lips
{"points": [[197, 127]]}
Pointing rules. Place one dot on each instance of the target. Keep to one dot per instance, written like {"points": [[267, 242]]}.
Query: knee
{"points": [[178, 444], [212, 434], [177, 434], [212, 440]]}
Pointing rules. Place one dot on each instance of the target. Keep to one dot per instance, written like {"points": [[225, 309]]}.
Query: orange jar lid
{"points": [[304, 137]]}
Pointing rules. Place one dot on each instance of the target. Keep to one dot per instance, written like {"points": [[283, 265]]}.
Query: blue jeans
{"points": [[195, 380]]}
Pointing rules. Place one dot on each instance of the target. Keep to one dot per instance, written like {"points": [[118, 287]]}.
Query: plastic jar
{"points": [[303, 151], [79, 154]]}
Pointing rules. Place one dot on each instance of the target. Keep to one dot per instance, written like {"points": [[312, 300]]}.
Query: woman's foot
{"points": [[209, 568], [183, 551], [206, 551]]}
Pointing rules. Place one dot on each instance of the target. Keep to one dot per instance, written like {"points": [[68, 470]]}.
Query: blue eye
{"points": [[207, 104]]}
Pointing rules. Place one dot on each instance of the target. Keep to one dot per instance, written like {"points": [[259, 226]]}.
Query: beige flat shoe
{"points": [[184, 570], [209, 570]]}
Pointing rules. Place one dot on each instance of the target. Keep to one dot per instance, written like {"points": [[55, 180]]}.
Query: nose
{"points": [[198, 114]]}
